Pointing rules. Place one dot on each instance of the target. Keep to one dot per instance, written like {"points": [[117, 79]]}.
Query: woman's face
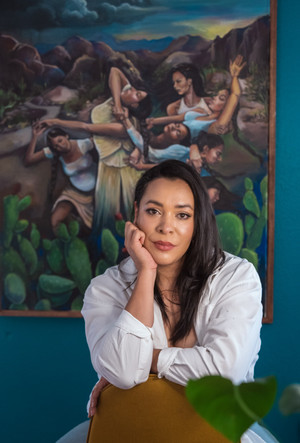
{"points": [[176, 132], [212, 156], [181, 84], [214, 195], [166, 216], [132, 97], [218, 102], [61, 143]]}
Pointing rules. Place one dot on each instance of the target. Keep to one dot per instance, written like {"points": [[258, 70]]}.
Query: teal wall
{"points": [[45, 369]]}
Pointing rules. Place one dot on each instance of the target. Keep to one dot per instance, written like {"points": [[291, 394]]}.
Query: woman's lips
{"points": [[163, 246]]}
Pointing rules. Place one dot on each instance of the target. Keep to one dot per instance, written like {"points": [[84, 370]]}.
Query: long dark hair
{"points": [[209, 140], [55, 132], [190, 71], [204, 254]]}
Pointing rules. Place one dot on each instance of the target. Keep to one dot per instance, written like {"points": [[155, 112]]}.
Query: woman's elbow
{"points": [[121, 377]]}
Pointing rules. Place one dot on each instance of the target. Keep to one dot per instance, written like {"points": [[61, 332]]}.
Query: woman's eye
{"points": [[183, 216], [151, 211]]}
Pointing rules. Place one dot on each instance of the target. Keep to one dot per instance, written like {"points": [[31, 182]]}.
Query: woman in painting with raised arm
{"points": [[218, 110], [115, 179], [222, 107], [77, 164]]}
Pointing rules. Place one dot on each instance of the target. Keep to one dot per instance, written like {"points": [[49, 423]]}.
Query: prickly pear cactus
{"points": [[251, 203], [14, 288], [54, 284], [62, 233], [78, 263], [101, 266], [55, 256], [43, 305], [35, 236], [29, 255], [77, 303], [13, 262], [251, 256], [255, 236], [231, 232], [110, 247]]}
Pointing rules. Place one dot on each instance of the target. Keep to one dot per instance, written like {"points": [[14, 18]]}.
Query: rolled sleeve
{"points": [[121, 347]]}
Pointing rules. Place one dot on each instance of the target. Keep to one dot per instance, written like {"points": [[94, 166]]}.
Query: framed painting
{"points": [[196, 81]]}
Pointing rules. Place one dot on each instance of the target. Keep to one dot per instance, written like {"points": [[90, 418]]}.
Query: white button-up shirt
{"points": [[227, 327]]}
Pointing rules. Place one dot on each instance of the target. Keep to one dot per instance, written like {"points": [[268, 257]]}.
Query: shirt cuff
{"points": [[165, 360], [132, 325]]}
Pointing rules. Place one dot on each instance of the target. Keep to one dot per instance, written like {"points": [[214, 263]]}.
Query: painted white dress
{"points": [[115, 180]]}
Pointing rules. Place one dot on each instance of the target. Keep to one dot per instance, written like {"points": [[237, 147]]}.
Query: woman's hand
{"points": [[119, 112], [196, 163], [37, 129], [236, 66], [95, 395], [48, 123], [134, 243], [150, 122]]}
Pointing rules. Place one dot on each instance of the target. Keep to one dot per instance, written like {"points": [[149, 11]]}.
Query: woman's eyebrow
{"points": [[155, 202]]}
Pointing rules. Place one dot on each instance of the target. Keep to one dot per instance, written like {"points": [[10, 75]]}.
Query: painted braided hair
{"points": [[55, 132]]}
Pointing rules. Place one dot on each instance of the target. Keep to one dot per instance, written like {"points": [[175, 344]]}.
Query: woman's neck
{"points": [[191, 98], [167, 277]]}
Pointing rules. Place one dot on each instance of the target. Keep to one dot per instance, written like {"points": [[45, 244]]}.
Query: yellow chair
{"points": [[153, 412]]}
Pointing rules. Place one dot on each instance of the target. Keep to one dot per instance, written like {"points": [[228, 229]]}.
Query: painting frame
{"points": [[268, 305]]}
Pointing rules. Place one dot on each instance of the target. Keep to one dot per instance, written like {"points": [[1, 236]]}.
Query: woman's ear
{"points": [[136, 211], [189, 81], [205, 149]]}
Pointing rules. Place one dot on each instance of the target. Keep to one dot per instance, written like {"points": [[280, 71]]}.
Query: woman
{"points": [[223, 105], [77, 164], [178, 306], [188, 84], [219, 108], [202, 155], [115, 179], [206, 152]]}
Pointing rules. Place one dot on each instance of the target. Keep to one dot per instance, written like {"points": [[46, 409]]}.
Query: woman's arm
{"points": [[141, 302], [172, 108], [233, 99], [152, 121], [118, 321], [228, 330], [108, 129], [31, 156], [116, 83]]}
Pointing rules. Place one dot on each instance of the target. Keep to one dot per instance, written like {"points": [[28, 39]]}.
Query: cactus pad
{"points": [[231, 232], [14, 288]]}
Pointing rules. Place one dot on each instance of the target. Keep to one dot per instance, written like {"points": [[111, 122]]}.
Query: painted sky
{"points": [[52, 21]]}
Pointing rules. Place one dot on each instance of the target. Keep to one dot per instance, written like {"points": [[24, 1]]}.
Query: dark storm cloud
{"points": [[42, 14]]}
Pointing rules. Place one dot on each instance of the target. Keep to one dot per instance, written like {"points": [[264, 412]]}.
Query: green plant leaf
{"points": [[110, 246], [289, 402], [77, 303], [229, 408], [248, 184], [231, 232]]}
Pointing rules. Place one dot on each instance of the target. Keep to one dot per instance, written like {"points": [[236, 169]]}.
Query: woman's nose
{"points": [[165, 225]]}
